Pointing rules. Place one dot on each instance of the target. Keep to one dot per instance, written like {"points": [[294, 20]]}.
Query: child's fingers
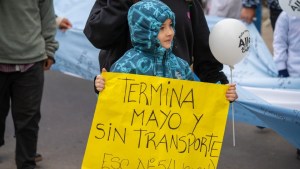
{"points": [[231, 94], [231, 97], [99, 78], [232, 86], [100, 87], [100, 83]]}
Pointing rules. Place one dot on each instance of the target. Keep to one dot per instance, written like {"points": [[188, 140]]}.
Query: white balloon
{"points": [[229, 41], [291, 7]]}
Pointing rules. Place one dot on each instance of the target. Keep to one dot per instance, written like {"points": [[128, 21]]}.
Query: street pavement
{"points": [[67, 112]]}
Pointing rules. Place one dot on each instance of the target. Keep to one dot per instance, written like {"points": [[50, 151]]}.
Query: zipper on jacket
{"points": [[163, 64]]}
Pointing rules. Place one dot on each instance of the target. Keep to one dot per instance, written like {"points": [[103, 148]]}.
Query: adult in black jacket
{"points": [[107, 29]]}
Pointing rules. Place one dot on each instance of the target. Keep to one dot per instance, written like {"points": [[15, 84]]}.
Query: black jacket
{"points": [[107, 29]]}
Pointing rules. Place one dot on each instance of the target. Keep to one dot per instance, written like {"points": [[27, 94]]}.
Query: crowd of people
{"points": [[181, 36], [286, 31]]}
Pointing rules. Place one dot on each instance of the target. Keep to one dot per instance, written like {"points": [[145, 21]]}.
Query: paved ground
{"points": [[67, 112], [68, 106]]}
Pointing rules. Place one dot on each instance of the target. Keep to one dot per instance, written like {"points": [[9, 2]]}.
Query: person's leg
{"points": [[26, 102], [273, 16], [4, 106], [298, 154], [258, 15]]}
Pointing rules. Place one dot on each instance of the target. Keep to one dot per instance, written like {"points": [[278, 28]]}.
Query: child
{"points": [[286, 45], [151, 25], [107, 29]]}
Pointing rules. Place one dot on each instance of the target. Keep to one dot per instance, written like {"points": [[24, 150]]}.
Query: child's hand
{"points": [[231, 94], [100, 82]]}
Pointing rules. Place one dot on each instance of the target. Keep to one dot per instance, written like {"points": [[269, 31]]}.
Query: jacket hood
{"points": [[145, 19]]}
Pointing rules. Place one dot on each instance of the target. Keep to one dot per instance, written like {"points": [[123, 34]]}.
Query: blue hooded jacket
{"points": [[148, 57]]}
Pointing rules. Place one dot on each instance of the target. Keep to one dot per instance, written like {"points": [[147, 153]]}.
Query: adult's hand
{"points": [[247, 14], [283, 73], [48, 63], [63, 24]]}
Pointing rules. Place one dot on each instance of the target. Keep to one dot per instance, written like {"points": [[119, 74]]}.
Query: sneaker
{"points": [[38, 157], [1, 143], [260, 127]]}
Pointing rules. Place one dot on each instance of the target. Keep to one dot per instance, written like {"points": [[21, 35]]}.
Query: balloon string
{"points": [[232, 111]]}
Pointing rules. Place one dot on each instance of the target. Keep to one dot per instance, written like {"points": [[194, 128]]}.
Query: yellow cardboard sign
{"points": [[144, 122]]}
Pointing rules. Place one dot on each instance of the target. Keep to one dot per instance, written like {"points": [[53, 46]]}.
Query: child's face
{"points": [[166, 34]]}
